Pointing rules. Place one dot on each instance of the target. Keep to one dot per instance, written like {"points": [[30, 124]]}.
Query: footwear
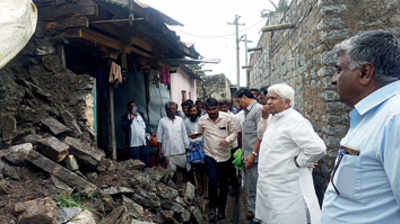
{"points": [[212, 216]]}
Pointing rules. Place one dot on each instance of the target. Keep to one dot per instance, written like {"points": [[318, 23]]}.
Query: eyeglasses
{"points": [[342, 151]]}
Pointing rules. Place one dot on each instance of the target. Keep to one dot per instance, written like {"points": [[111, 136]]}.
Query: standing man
{"points": [[285, 189], [365, 182], [173, 139], [135, 134], [252, 116], [219, 132]]}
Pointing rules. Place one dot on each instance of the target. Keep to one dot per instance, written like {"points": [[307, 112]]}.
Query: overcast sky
{"points": [[205, 25]]}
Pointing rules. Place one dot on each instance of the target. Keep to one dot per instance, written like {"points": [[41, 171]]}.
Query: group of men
{"points": [[280, 146]]}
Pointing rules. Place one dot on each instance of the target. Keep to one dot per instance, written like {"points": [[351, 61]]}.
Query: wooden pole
{"points": [[113, 146]]}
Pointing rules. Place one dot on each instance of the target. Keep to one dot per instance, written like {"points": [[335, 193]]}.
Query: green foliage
{"points": [[69, 200]]}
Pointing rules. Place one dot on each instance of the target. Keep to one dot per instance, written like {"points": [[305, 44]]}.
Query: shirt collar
{"points": [[219, 117], [282, 113], [249, 107], [377, 97]]}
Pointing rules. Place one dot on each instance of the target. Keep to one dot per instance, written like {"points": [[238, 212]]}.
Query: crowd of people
{"points": [[279, 147]]}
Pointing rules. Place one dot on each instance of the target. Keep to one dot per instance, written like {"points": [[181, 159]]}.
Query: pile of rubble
{"points": [[34, 174]]}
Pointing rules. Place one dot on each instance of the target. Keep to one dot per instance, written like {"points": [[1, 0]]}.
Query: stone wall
{"points": [[216, 86], [36, 85], [303, 58]]}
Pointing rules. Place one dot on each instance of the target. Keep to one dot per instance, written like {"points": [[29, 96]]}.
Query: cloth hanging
{"points": [[165, 76], [115, 76]]}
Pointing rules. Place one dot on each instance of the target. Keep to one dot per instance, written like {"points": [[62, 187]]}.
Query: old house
{"points": [[183, 85], [86, 61]]}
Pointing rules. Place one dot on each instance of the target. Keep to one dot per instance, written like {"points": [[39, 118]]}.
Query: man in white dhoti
{"points": [[285, 190]]}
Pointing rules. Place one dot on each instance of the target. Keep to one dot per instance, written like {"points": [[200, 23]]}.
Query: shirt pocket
{"points": [[348, 177]]}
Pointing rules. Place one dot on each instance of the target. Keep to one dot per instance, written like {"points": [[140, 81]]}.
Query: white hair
{"points": [[284, 91]]}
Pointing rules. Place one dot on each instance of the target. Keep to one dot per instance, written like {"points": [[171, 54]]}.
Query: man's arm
{"points": [[185, 136], [312, 147], [159, 137], [391, 155], [232, 130]]}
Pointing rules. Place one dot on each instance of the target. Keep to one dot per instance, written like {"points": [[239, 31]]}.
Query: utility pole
{"points": [[246, 62], [236, 23]]}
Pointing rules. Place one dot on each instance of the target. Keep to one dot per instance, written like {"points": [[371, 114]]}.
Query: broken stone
{"points": [[118, 190], [7, 220], [165, 192], [181, 212], [8, 127], [38, 211], [134, 221], [142, 180], [71, 163], [106, 165], [70, 121], [92, 176], [5, 187], [134, 208], [197, 214], [33, 138], [9, 171], [133, 164], [66, 214], [168, 217], [147, 199], [54, 125], [61, 185], [156, 173], [72, 179], [116, 215], [53, 148], [18, 153], [84, 151], [189, 194], [85, 217]]}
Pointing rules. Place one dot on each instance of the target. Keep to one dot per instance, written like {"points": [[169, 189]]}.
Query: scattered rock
{"points": [[71, 163], [66, 214], [134, 208], [18, 153], [85, 217], [54, 126], [84, 151], [166, 192], [118, 190], [133, 164], [189, 194], [38, 211], [106, 165], [146, 199], [5, 187], [53, 148], [60, 184], [196, 212]]}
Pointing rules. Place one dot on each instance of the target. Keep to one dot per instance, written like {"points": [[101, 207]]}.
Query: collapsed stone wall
{"points": [[303, 58], [36, 85]]}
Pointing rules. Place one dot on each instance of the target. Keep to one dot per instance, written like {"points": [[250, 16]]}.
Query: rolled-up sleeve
{"points": [[312, 147]]}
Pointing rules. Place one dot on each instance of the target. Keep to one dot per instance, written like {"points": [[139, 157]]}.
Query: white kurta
{"points": [[284, 191]]}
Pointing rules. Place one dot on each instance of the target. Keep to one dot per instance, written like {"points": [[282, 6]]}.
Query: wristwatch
{"points": [[254, 153]]}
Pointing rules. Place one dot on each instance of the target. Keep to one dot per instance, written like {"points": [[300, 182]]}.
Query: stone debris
{"points": [[54, 126], [53, 148], [84, 151], [67, 214], [38, 211]]}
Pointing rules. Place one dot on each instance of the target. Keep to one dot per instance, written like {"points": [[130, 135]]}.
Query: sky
{"points": [[206, 25]]}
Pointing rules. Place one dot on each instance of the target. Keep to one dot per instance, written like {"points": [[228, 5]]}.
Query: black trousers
{"points": [[218, 175]]}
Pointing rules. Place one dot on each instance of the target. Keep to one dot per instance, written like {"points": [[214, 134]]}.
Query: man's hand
{"points": [[131, 116], [314, 165], [265, 111], [223, 144], [250, 161]]}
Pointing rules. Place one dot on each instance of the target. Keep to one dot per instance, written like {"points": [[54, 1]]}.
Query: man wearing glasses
{"points": [[365, 181]]}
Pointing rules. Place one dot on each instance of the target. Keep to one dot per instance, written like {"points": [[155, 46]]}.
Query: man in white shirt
{"points": [[285, 189], [135, 134], [173, 139]]}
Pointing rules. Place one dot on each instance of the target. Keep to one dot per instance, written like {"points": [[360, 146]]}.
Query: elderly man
{"points": [[173, 139], [252, 116], [365, 181], [285, 189], [219, 131]]}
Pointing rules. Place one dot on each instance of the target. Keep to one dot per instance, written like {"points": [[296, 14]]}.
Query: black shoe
{"points": [[212, 216]]}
